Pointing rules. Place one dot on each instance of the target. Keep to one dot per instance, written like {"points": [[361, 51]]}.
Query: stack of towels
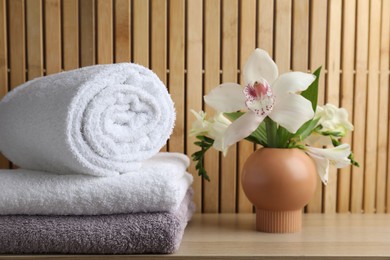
{"points": [[92, 180]]}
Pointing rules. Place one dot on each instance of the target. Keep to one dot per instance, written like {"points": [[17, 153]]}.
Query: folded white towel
{"points": [[101, 120], [160, 185]]}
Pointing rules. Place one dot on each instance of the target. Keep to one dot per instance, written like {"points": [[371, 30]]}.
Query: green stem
{"points": [[271, 129]]}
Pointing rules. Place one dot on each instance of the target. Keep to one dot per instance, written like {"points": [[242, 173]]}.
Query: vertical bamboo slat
{"points": [[70, 34], [383, 110], [211, 80], [370, 166], [87, 33], [229, 68], [283, 35], [317, 55], [16, 30], [194, 92], [383, 141], [52, 26], [176, 72], [34, 39], [300, 36], [247, 43], [141, 32], [104, 32], [265, 25], [360, 99], [332, 91], [4, 164], [122, 30], [159, 39], [346, 92]]}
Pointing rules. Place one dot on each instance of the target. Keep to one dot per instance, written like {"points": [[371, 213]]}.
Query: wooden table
{"points": [[226, 236]]}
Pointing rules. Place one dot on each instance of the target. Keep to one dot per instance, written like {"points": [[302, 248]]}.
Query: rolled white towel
{"points": [[159, 185], [101, 120]]}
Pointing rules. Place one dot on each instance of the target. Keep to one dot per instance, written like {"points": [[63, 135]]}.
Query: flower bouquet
{"points": [[275, 111]]}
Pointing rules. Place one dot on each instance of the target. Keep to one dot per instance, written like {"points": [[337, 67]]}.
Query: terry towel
{"points": [[137, 233], [159, 185], [101, 120]]}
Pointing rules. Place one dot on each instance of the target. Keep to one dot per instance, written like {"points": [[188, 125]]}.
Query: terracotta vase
{"points": [[279, 182]]}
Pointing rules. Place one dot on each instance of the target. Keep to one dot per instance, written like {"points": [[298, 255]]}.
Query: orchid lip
{"points": [[259, 98]]}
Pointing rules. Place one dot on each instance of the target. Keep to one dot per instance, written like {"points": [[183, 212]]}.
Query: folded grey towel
{"points": [[138, 233]]}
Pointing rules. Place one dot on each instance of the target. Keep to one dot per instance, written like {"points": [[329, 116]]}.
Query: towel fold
{"points": [[101, 120], [106, 234], [159, 185]]}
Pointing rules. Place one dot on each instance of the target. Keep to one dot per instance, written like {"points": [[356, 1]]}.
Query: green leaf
{"points": [[260, 134], [206, 139], [335, 142], [233, 116], [306, 129], [311, 93], [252, 139], [271, 129], [353, 162], [334, 134], [283, 135], [205, 144]]}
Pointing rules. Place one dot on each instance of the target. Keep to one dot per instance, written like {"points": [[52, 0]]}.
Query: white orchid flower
{"points": [[333, 119], [336, 156], [264, 94]]}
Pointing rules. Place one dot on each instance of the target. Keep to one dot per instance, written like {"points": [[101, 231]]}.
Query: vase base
{"points": [[278, 221]]}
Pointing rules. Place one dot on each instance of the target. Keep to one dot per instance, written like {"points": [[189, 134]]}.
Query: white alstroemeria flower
{"points": [[217, 131], [337, 156], [201, 125], [333, 119], [214, 128], [264, 94]]}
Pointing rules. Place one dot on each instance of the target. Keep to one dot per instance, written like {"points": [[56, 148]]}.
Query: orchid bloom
{"points": [[337, 156], [264, 94]]}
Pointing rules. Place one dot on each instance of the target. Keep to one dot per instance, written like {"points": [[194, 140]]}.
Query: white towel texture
{"points": [[101, 120], [158, 186]]}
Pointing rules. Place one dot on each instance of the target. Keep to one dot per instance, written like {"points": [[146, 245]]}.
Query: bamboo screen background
{"points": [[194, 45]]}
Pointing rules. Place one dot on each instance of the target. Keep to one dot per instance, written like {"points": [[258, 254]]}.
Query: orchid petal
{"points": [[241, 128], [322, 166], [218, 126], [228, 97], [260, 66], [292, 112], [291, 82], [218, 145]]}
